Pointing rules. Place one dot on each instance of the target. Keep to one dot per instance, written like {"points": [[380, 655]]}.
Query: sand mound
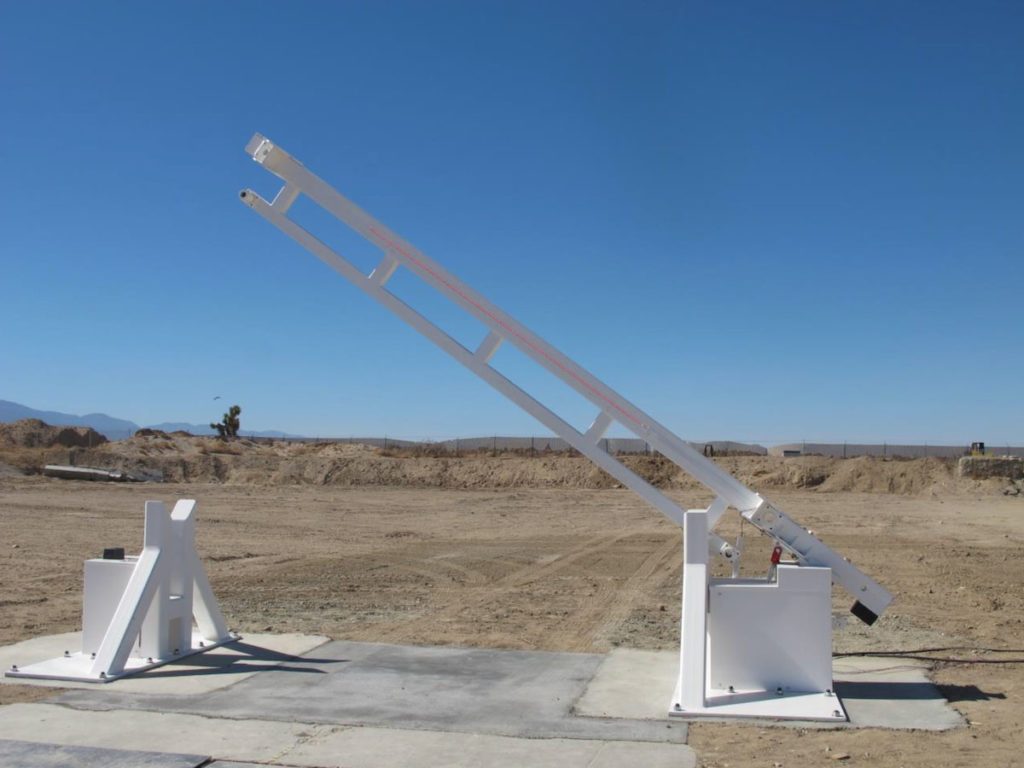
{"points": [[180, 457], [868, 473], [33, 433], [187, 458]]}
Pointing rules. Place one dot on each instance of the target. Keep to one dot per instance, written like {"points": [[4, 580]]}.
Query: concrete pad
{"points": [[391, 748], [890, 692], [305, 744], [202, 673], [26, 754], [876, 691], [469, 690], [151, 731], [632, 683], [370, 704]]}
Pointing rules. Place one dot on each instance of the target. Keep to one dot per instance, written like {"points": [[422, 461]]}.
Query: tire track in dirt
{"points": [[614, 600], [441, 569], [641, 584], [476, 596]]}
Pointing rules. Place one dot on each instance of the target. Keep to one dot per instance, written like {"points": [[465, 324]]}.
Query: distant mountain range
{"points": [[112, 428]]}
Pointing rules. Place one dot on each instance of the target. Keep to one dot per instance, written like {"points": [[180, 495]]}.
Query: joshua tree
{"points": [[230, 424]]}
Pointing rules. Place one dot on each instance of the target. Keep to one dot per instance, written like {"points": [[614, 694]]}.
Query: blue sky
{"points": [[757, 221]]}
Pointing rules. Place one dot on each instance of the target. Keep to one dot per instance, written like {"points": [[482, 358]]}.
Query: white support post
{"points": [[690, 688]]}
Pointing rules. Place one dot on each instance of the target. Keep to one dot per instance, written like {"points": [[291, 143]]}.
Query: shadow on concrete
{"points": [[251, 658], [266, 654], [954, 693], [890, 691], [232, 668], [24, 754]]}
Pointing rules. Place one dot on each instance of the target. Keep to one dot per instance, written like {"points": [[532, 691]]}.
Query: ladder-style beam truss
{"points": [[503, 328]]}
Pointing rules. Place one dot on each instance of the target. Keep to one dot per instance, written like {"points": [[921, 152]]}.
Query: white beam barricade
{"points": [[503, 328]]}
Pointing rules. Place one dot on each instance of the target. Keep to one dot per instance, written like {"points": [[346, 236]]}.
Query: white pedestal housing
{"points": [[137, 612], [771, 635], [754, 647]]}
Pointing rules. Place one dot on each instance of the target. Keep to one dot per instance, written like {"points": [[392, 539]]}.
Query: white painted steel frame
{"points": [[166, 573], [612, 407]]}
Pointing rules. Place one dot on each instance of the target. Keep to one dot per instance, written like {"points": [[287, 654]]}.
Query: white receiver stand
{"points": [[137, 612]]}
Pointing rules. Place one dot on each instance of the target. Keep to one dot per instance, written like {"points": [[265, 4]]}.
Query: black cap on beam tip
{"points": [[864, 613]]}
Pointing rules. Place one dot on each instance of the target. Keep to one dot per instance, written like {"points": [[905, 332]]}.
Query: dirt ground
{"points": [[560, 569]]}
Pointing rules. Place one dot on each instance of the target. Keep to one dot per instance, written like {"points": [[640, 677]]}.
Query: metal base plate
{"points": [[78, 666], [815, 705]]}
